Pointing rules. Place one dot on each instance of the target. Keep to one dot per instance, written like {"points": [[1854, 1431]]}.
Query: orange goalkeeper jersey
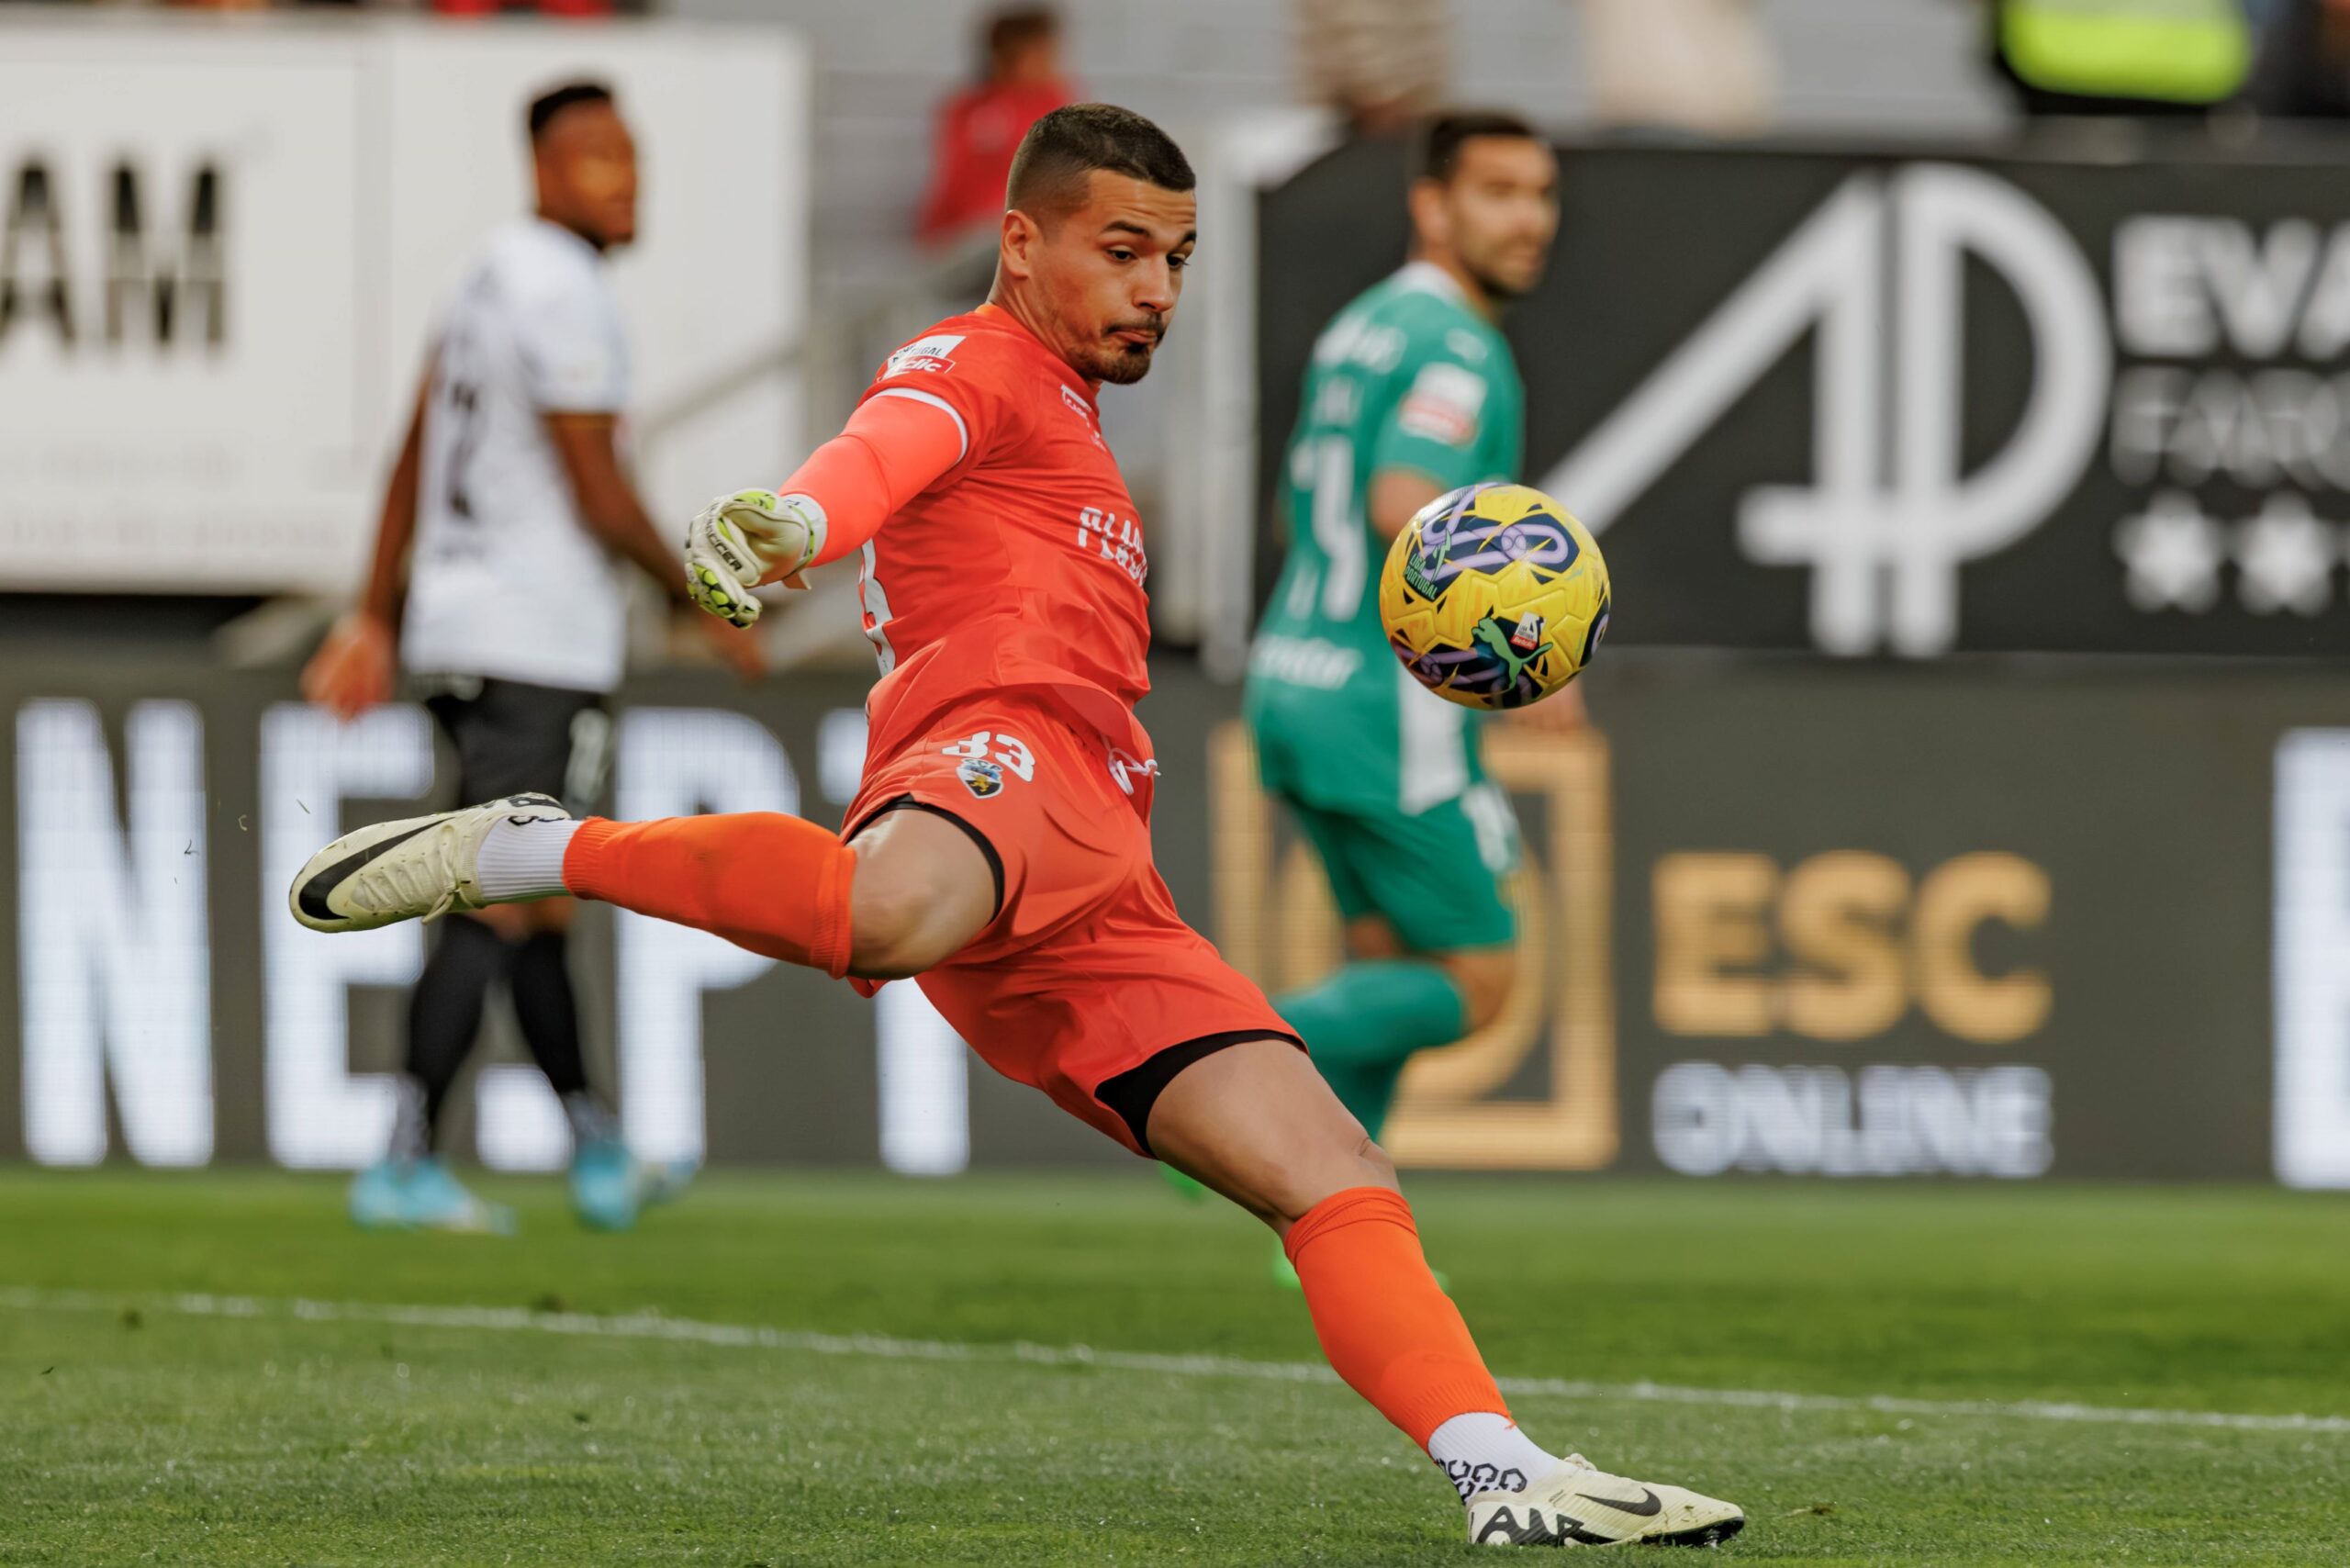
{"points": [[1021, 567]]}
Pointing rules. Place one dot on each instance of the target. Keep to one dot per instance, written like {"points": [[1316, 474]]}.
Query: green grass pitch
{"points": [[135, 1427]]}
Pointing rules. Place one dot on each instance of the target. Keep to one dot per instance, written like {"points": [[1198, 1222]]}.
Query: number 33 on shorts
{"points": [[987, 756]]}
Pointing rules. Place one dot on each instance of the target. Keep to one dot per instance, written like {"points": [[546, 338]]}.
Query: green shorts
{"points": [[1436, 877]]}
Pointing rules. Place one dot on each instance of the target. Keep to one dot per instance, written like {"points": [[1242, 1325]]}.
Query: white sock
{"points": [[522, 860], [1485, 1452]]}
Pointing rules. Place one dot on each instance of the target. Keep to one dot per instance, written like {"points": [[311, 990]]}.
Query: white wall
{"points": [[357, 163]]}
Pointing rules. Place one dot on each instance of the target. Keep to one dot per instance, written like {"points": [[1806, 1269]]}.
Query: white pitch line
{"points": [[882, 1347]]}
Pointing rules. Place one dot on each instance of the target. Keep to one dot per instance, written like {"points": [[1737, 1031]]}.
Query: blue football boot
{"points": [[609, 1186], [421, 1195]]}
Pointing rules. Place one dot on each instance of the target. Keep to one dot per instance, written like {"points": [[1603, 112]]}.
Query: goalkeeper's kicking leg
{"points": [[1251, 1117], [913, 890]]}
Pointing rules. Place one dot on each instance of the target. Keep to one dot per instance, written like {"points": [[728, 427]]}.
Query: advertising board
{"points": [[220, 250], [1803, 919], [1867, 403]]}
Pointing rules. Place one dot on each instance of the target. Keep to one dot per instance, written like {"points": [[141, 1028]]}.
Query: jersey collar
{"points": [[1426, 277], [570, 237]]}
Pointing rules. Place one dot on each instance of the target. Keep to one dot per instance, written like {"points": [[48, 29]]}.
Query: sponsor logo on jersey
{"points": [[1443, 404], [1115, 539], [1126, 768], [932, 354], [982, 777], [1084, 411], [1303, 661]]}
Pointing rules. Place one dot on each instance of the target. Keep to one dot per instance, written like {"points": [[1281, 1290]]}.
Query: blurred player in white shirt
{"points": [[511, 482]]}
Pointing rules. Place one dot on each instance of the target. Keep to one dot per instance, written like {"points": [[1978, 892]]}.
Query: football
{"points": [[1494, 596]]}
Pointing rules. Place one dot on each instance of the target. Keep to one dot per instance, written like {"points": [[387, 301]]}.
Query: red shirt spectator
{"points": [[979, 128]]}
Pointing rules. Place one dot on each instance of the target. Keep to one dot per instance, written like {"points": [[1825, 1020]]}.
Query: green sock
{"points": [[1364, 1022]]}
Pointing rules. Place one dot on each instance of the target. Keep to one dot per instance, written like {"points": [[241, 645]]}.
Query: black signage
{"points": [[1784, 917], [1913, 406]]}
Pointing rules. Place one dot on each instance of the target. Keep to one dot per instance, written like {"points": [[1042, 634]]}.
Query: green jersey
{"points": [[1407, 376]]}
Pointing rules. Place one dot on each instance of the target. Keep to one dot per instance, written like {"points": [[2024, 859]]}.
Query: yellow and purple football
{"points": [[1494, 596]]}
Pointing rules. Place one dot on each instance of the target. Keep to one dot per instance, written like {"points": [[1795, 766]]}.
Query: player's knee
{"points": [[1483, 981], [1370, 936], [1359, 1162]]}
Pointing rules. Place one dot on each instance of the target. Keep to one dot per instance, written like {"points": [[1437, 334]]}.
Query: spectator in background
{"points": [[1384, 64], [2304, 67], [980, 128], [1697, 65], [2135, 57]]}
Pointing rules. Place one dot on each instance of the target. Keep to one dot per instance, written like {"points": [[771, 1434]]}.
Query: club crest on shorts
{"points": [[980, 777]]}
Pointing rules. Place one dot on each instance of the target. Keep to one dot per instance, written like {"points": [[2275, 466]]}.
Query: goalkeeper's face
{"points": [[1499, 212], [1103, 277]]}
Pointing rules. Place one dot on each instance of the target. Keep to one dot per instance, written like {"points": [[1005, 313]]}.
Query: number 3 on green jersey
{"points": [[1409, 377]]}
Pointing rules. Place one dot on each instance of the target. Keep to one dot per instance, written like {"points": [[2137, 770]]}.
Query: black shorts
{"points": [[512, 737]]}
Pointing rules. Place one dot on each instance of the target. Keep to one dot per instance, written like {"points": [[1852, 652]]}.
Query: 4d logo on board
{"points": [[1876, 276]]}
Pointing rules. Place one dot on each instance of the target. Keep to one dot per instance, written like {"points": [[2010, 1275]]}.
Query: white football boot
{"points": [[1576, 1505], [416, 869]]}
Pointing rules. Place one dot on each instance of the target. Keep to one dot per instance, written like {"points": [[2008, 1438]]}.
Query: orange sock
{"points": [[774, 884], [1387, 1330]]}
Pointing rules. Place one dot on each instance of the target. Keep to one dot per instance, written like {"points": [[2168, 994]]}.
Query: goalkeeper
{"points": [[1410, 393]]}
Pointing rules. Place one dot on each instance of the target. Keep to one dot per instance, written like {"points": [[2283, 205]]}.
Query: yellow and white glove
{"points": [[741, 541]]}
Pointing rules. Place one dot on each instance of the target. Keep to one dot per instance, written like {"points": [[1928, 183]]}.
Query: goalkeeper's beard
{"points": [[1124, 363]]}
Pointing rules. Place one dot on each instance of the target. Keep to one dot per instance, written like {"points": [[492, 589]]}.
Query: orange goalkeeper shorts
{"points": [[1086, 984]]}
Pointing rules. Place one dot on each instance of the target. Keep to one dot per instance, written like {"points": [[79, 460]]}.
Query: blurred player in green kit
{"points": [[1410, 393]]}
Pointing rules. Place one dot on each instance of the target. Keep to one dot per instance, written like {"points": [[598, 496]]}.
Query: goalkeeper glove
{"points": [[741, 541]]}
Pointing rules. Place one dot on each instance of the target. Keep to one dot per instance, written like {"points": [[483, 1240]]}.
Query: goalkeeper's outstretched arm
{"points": [[892, 449]]}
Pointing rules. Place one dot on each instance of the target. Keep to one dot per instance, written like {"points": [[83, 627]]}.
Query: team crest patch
{"points": [[980, 777]]}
